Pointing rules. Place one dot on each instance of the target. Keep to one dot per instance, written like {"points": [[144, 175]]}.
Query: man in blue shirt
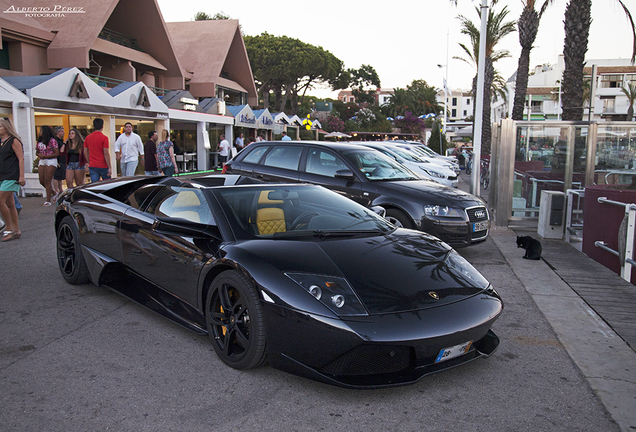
{"points": [[285, 137]]}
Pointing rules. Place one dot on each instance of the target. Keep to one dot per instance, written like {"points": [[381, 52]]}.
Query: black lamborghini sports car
{"points": [[296, 275]]}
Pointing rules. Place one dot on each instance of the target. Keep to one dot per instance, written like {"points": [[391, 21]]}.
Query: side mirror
{"points": [[184, 227], [345, 174], [379, 210]]}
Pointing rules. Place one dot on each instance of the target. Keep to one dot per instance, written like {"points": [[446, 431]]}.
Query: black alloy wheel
{"points": [[234, 319], [69, 253]]}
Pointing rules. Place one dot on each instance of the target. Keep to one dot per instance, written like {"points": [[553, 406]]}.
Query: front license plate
{"points": [[452, 352], [480, 226]]}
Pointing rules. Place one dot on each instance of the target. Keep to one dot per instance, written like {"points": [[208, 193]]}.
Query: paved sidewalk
{"points": [[591, 309]]}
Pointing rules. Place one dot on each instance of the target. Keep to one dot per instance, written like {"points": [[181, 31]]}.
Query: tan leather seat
{"points": [[270, 219]]}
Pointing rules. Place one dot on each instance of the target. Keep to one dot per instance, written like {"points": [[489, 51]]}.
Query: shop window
{"points": [[537, 106]]}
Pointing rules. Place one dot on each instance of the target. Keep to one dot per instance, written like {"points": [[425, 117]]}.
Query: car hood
{"points": [[432, 193], [402, 271]]}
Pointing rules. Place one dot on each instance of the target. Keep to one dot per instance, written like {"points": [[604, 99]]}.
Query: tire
{"points": [[398, 218], [486, 182], [234, 319], [69, 253]]}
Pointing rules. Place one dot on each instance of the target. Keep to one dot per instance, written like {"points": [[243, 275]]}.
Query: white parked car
{"points": [[424, 151], [424, 168]]}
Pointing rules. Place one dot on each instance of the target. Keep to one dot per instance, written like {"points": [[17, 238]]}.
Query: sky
{"points": [[405, 40]]}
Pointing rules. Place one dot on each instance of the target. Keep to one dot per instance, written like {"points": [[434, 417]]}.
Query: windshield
{"points": [[271, 211], [407, 154], [376, 166]]}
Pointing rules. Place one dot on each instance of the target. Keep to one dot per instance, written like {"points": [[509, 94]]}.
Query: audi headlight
{"points": [[334, 292], [433, 173], [441, 211]]}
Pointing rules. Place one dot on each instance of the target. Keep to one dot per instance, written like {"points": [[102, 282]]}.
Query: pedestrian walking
{"points": [[60, 171], [48, 151], [239, 143], [150, 154], [128, 148], [75, 160], [96, 152], [224, 150], [165, 155], [285, 137], [11, 178]]}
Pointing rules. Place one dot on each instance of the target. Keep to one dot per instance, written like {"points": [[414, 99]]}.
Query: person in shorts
{"points": [[47, 151], [60, 172], [11, 178], [75, 160]]}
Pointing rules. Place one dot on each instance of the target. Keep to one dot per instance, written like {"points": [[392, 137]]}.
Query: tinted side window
{"points": [[287, 157], [137, 198], [185, 203], [255, 155], [323, 163]]}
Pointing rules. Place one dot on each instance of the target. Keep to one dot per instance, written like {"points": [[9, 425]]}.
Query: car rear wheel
{"points": [[398, 218], [234, 318], [69, 253]]}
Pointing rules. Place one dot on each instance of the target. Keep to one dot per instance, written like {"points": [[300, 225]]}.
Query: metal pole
{"points": [[445, 88], [592, 95], [479, 109]]}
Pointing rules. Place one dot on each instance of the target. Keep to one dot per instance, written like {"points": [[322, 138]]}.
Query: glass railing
{"points": [[119, 39], [109, 83]]}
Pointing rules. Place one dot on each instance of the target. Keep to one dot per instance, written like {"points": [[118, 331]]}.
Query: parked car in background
{"points": [[372, 179], [427, 152], [438, 172]]}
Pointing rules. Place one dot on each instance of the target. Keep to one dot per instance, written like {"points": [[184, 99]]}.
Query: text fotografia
{"points": [[54, 11]]}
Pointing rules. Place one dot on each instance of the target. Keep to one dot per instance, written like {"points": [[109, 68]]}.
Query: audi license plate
{"points": [[480, 226], [452, 352]]}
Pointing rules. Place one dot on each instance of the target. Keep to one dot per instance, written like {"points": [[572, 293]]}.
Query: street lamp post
{"points": [[445, 104], [445, 94], [479, 107]]}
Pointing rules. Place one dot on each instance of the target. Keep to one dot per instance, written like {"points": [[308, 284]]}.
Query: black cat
{"points": [[532, 247]]}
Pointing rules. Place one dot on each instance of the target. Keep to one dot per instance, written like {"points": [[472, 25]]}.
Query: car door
{"points": [[320, 167], [173, 262]]}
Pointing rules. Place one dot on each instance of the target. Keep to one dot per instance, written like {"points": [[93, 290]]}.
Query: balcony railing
{"points": [[119, 39], [108, 82]]}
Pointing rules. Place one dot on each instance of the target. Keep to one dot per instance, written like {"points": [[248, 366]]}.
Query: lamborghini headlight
{"points": [[332, 291], [437, 211]]}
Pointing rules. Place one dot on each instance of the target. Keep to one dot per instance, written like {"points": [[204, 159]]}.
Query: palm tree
{"points": [[528, 26], [630, 92], [496, 30], [577, 30], [399, 103]]}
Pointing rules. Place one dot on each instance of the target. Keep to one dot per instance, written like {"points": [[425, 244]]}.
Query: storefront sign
{"points": [[143, 99], [189, 104], [78, 89], [245, 118]]}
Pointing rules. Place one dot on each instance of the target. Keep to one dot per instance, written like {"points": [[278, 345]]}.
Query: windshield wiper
{"points": [[345, 233]]}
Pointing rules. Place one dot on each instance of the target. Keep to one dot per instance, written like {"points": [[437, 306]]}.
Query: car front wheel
{"points": [[234, 319], [398, 218], [69, 253]]}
